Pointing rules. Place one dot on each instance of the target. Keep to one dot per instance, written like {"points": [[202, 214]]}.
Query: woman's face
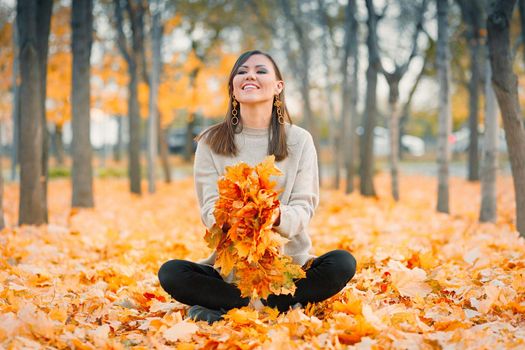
{"points": [[256, 81]]}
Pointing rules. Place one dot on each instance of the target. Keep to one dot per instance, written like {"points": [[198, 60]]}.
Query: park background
{"points": [[97, 119]]}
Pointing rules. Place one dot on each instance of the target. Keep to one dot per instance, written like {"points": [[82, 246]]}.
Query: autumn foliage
{"points": [[88, 279], [248, 206]]}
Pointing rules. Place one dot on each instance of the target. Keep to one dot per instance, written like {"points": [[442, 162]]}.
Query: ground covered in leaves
{"points": [[425, 280]]}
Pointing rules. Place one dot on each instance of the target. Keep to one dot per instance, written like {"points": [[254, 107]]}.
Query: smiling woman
{"points": [[257, 124]]}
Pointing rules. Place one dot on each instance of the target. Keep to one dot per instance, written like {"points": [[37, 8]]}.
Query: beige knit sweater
{"points": [[300, 183]]}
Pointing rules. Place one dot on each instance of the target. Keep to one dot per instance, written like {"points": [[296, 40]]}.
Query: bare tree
{"points": [[505, 82], [33, 21], [156, 39], [369, 118], [472, 15], [349, 89], [303, 66], [16, 103], [135, 11], [445, 120], [82, 172], [393, 79], [490, 151]]}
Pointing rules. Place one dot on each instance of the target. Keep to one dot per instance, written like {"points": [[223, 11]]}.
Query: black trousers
{"points": [[196, 284]]}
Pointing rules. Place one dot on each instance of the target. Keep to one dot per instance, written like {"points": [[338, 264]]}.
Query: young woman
{"points": [[257, 125]]}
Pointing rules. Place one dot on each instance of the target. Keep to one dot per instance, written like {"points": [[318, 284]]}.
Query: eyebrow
{"points": [[257, 66]]}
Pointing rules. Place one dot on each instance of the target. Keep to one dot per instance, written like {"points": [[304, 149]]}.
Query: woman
{"points": [[257, 124]]}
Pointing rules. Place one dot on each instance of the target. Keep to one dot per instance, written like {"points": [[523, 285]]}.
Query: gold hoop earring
{"points": [[278, 103], [234, 119]]}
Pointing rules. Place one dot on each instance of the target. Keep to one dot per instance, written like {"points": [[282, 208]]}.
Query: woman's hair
{"points": [[221, 136]]}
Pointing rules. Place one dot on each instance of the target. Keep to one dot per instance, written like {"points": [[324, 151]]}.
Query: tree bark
{"points": [[58, 145], [490, 152], [43, 22], [156, 38], [117, 149], [164, 151], [2, 223], [135, 11], [16, 103], [350, 91], [445, 122], [505, 82], [32, 207], [82, 172], [472, 14], [367, 139]]}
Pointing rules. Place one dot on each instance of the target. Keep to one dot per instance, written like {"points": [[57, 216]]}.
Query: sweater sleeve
{"points": [[304, 198], [205, 178]]}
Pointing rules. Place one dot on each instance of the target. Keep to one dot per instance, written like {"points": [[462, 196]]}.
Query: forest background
{"points": [[400, 97]]}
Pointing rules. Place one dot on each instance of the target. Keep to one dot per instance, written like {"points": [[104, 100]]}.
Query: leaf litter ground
{"points": [[425, 280]]}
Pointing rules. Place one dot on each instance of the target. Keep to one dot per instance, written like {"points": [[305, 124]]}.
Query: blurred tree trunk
{"points": [[156, 39], [43, 22], [58, 145], [367, 139], [490, 151], [82, 172], [445, 120], [117, 149], [327, 48], [393, 79], [16, 103], [405, 111], [350, 89], [504, 82], [33, 22], [521, 6], [304, 74], [2, 223], [163, 150], [472, 15], [135, 11]]}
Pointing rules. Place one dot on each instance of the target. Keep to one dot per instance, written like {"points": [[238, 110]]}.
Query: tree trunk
{"points": [[58, 145], [156, 38], [43, 23], [350, 90], [117, 149], [164, 151], [188, 148], [445, 122], [135, 11], [473, 150], [32, 209], [490, 152], [367, 139], [333, 129], [134, 129], [82, 172], [505, 82], [2, 223], [472, 13], [16, 103], [393, 102]]}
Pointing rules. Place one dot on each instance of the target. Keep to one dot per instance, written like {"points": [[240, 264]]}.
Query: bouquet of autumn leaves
{"points": [[248, 204]]}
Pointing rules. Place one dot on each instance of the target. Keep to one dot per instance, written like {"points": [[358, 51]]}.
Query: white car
{"points": [[411, 144]]}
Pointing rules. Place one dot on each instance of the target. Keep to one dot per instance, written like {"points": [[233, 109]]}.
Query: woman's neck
{"points": [[256, 115]]}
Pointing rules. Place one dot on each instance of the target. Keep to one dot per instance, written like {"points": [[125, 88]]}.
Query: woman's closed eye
{"points": [[262, 71]]}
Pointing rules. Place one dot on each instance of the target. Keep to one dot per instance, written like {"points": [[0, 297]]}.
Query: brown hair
{"points": [[221, 135]]}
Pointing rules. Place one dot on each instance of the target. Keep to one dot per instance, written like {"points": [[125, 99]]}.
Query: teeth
{"points": [[250, 87]]}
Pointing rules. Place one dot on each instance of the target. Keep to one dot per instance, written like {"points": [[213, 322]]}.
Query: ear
{"points": [[279, 86]]}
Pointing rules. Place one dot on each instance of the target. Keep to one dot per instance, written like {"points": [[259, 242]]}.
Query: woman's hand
{"points": [[277, 215]]}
